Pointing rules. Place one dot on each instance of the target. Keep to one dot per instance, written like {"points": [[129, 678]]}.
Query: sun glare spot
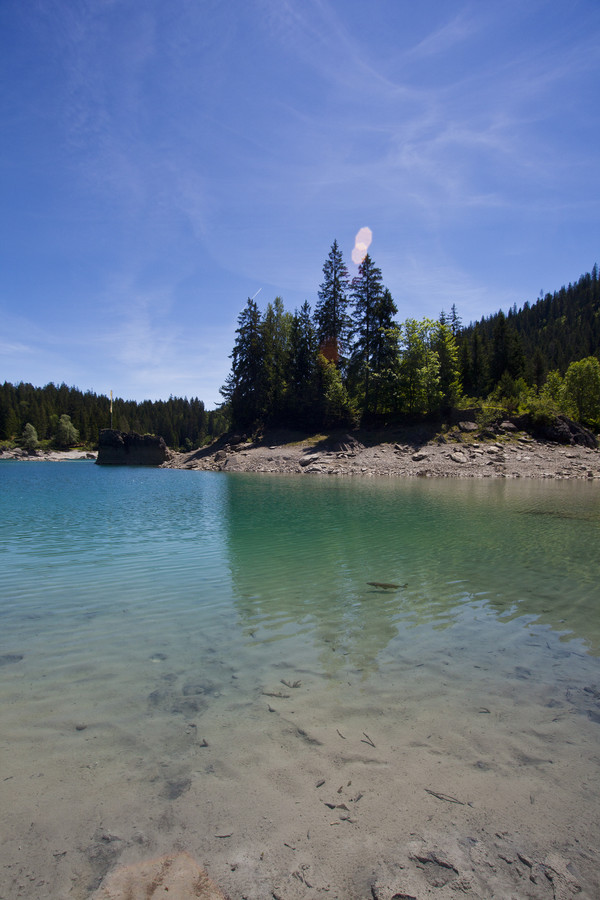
{"points": [[362, 242]]}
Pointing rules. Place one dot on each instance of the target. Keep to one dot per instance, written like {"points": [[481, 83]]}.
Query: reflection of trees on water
{"points": [[301, 552], [294, 553]]}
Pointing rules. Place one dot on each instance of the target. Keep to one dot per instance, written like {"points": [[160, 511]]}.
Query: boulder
{"points": [[564, 431], [117, 448], [344, 444]]}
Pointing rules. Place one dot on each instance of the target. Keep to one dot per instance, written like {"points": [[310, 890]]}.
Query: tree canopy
{"points": [[354, 362]]}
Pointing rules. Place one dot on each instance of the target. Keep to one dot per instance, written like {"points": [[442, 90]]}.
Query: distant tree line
{"points": [[351, 362], [552, 333], [64, 416]]}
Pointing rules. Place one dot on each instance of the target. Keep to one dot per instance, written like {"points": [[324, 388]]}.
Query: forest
{"points": [[353, 363], [350, 363], [64, 416]]}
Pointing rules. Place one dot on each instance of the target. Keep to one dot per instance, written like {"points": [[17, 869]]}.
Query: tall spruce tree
{"points": [[368, 295], [244, 388], [331, 316], [302, 368], [443, 342], [385, 362], [275, 329]]}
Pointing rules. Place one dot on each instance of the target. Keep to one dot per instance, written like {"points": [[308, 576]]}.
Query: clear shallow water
{"points": [[128, 556], [153, 607]]}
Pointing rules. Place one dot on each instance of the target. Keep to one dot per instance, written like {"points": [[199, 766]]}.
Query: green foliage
{"points": [[332, 322], [553, 389], [443, 342], [510, 393], [336, 409], [174, 419], [66, 433], [29, 438], [302, 387], [369, 303], [581, 391], [542, 409], [244, 390], [543, 359], [275, 331], [487, 415], [548, 335], [419, 375]]}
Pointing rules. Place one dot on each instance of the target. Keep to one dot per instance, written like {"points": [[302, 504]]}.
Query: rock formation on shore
{"points": [[117, 448]]}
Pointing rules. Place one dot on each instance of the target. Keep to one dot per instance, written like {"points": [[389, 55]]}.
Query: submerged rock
{"points": [[7, 658]]}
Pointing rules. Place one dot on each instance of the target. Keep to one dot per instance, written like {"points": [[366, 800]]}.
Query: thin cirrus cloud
{"points": [[188, 153]]}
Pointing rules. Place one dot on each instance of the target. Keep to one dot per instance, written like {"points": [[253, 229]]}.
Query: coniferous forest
{"points": [[349, 363], [64, 416], [352, 363]]}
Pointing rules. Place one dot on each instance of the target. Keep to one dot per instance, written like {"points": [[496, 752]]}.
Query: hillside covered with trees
{"points": [[349, 363]]}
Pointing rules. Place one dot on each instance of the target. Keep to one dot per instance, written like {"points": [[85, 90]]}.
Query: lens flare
{"points": [[362, 242]]}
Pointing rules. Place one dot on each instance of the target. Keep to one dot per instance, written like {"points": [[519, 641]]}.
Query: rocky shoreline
{"points": [[47, 455], [464, 451]]}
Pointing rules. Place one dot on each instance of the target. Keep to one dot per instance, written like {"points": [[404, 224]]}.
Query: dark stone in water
{"points": [[522, 672], [174, 789], [156, 698], [9, 658]]}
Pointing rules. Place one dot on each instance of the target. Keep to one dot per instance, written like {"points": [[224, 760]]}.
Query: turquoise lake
{"points": [[141, 609]]}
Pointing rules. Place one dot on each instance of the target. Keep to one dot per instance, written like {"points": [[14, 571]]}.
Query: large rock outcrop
{"points": [[560, 430], [117, 448]]}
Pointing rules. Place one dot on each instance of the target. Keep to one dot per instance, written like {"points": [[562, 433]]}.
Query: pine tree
{"points": [[302, 368], [385, 363], [455, 320], [367, 293], [331, 316], [244, 388], [444, 344], [275, 330]]}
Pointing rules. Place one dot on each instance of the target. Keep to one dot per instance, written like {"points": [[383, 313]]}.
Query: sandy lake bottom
{"points": [[194, 662]]}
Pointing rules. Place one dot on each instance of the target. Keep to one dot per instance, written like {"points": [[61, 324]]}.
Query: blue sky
{"points": [[163, 160]]}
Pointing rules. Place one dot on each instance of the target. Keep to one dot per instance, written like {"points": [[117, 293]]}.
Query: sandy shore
{"points": [[410, 452], [417, 789]]}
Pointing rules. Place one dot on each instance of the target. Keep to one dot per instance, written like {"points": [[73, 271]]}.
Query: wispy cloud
{"points": [[189, 153], [447, 36]]}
